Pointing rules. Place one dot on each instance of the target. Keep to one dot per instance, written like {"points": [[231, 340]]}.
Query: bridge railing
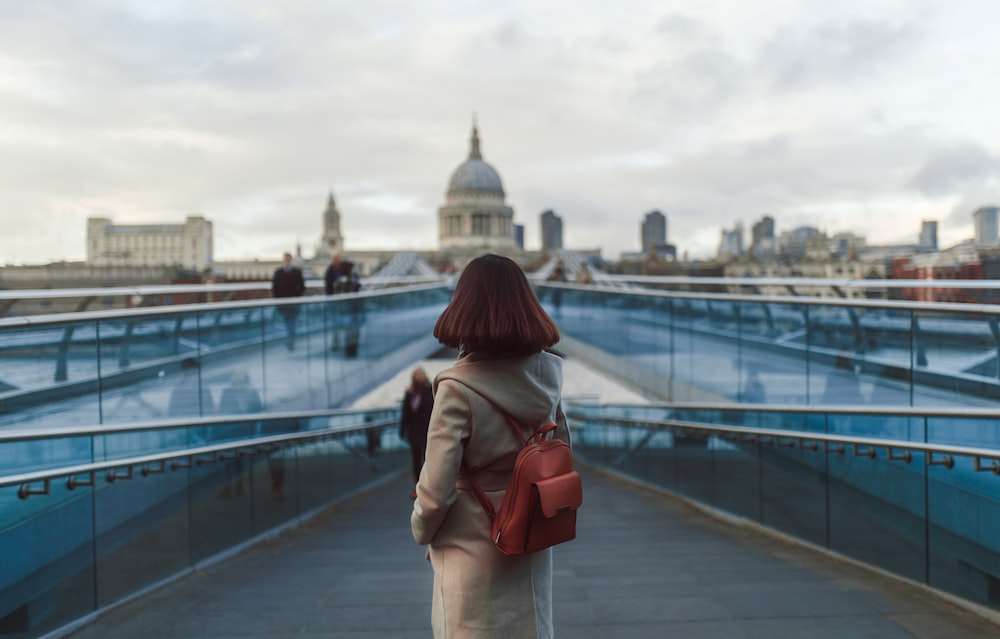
{"points": [[884, 487], [703, 346], [26, 302], [91, 516], [202, 359]]}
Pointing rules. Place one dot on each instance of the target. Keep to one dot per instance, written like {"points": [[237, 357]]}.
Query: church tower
{"points": [[475, 214], [332, 241]]}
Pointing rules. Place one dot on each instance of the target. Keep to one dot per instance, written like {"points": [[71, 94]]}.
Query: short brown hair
{"points": [[494, 310]]}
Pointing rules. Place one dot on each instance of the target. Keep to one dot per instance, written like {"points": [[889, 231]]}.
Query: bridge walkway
{"points": [[644, 565]]}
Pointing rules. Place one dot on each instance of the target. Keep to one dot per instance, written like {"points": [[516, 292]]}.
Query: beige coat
{"points": [[478, 591]]}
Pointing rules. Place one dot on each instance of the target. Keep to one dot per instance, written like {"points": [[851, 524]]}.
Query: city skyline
{"points": [[866, 116]]}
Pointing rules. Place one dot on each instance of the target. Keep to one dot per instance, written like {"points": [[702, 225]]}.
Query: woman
{"points": [[418, 401], [500, 330]]}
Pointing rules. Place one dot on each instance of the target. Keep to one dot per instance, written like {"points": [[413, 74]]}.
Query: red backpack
{"points": [[544, 492]]}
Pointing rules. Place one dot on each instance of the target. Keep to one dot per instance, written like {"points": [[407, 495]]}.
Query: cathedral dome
{"points": [[475, 175]]}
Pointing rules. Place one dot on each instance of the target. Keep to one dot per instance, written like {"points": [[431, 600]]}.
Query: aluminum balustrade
{"points": [[891, 361], [680, 346], [909, 500], [127, 365], [119, 509], [30, 302]]}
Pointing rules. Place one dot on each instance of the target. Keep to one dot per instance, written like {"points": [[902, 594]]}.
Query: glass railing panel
{"points": [[736, 477], [53, 532], [275, 488], [310, 367], [931, 518], [136, 367], [963, 533], [773, 354], [23, 456], [956, 358], [285, 375], [793, 485], [877, 504], [143, 530], [121, 529], [685, 352], [652, 457], [694, 461], [884, 363], [659, 349], [599, 441], [220, 498], [121, 445], [964, 514], [639, 451], [48, 366], [230, 369], [751, 324]]}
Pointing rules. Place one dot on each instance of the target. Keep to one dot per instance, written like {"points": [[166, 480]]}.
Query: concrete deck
{"points": [[644, 565]]}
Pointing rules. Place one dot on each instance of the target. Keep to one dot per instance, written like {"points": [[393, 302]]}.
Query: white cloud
{"points": [[868, 115]]}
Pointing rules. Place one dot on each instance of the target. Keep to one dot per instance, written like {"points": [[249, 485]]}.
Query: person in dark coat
{"points": [[288, 282], [417, 404], [350, 316], [332, 274]]}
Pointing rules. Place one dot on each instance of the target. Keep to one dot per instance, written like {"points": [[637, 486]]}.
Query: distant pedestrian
{"points": [[288, 282], [332, 274], [418, 400], [350, 315], [558, 274]]}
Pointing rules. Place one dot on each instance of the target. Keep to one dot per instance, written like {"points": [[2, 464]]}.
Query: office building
{"points": [[985, 220], [188, 245], [552, 231], [654, 230]]}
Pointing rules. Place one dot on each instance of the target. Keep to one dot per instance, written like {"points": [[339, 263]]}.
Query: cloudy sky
{"points": [[867, 116]]}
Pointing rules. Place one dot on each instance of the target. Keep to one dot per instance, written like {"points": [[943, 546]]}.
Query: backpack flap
{"points": [[560, 493]]}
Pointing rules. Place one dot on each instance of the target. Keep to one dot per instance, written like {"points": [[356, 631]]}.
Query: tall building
{"points": [[332, 241], [762, 242], [731, 242], [189, 245], [475, 214], [552, 231], [928, 235], [795, 243], [762, 230], [985, 219], [654, 230]]}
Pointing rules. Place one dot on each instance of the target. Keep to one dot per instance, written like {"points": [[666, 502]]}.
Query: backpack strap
{"points": [[541, 432], [478, 493]]}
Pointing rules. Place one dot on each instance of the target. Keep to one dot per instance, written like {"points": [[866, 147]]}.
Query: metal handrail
{"points": [[192, 455], [63, 318], [226, 287], [805, 281], [786, 300], [860, 446], [39, 433], [173, 289], [889, 410], [53, 432], [155, 289]]}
